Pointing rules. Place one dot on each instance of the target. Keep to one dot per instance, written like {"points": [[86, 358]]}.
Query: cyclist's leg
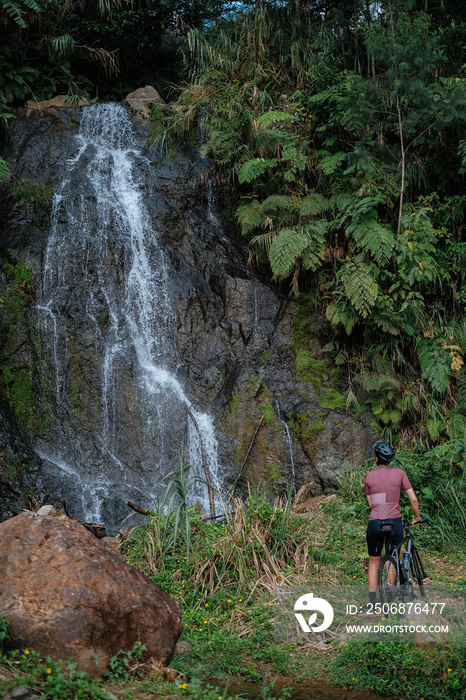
{"points": [[374, 539]]}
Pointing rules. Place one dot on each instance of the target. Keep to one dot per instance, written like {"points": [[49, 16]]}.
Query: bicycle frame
{"points": [[407, 563]]}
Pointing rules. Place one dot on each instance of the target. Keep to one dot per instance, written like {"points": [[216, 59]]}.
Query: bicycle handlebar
{"points": [[424, 519]]}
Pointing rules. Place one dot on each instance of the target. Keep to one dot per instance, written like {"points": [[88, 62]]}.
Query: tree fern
{"points": [[274, 117], [360, 286], [252, 169], [342, 315], [315, 250], [373, 237], [278, 201], [17, 9], [435, 364], [286, 248], [313, 204], [250, 216]]}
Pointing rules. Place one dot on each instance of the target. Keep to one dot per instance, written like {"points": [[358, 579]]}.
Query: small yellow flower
{"points": [[448, 670], [228, 601], [49, 670], [207, 605], [26, 651], [183, 685]]}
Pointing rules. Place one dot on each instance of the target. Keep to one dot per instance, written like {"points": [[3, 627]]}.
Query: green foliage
{"points": [[335, 150], [124, 663], [268, 413], [432, 672]]}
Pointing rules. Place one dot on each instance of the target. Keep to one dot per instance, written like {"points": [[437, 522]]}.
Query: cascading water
{"points": [[290, 446], [105, 295]]}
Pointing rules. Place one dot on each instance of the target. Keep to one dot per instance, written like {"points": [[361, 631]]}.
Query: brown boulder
{"points": [[58, 101], [65, 594], [143, 100]]}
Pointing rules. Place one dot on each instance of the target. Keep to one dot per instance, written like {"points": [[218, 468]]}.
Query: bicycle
{"points": [[397, 566]]}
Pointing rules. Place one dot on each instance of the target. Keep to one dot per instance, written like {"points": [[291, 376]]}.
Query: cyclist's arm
{"points": [[369, 500], [414, 505]]}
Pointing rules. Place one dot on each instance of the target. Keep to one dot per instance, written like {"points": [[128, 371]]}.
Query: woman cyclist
{"points": [[383, 487]]}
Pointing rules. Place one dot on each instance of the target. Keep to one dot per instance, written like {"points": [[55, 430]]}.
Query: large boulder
{"points": [[143, 100], [67, 595]]}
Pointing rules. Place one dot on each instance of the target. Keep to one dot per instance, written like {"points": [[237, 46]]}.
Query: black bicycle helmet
{"points": [[385, 452]]}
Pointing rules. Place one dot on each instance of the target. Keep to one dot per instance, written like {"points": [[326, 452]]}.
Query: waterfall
{"points": [[290, 446], [105, 297]]}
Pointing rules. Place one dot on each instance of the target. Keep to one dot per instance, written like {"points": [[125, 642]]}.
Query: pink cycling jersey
{"points": [[383, 485]]}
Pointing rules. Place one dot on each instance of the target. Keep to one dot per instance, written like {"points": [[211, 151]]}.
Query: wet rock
{"points": [[232, 348], [67, 595], [23, 693]]}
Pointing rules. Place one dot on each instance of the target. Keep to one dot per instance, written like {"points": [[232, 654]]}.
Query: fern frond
{"points": [[4, 170], [252, 169], [286, 248], [387, 320], [274, 117], [315, 250], [435, 365], [341, 315], [16, 10], [378, 383], [278, 201], [314, 204], [329, 163], [263, 240], [250, 216], [62, 45], [373, 237], [360, 286]]}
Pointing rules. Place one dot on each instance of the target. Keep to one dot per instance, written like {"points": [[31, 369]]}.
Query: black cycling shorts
{"points": [[375, 536]]}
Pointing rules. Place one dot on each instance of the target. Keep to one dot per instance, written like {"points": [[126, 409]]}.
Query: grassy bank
{"points": [[224, 575]]}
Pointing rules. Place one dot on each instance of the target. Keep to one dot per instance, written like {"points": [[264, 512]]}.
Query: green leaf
{"points": [[315, 250], [250, 216], [252, 169], [286, 248], [360, 286], [314, 204], [435, 365], [274, 117], [278, 201], [4, 171], [370, 235]]}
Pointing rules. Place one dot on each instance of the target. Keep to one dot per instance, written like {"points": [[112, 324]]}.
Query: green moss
{"points": [[20, 394], [264, 357], [301, 334], [157, 117], [268, 413], [333, 399], [315, 370], [272, 474], [313, 429], [265, 447], [36, 192]]}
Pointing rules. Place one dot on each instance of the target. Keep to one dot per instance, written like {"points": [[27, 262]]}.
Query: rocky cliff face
{"points": [[243, 354]]}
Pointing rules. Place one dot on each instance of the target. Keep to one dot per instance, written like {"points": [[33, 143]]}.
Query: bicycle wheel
{"points": [[387, 588]]}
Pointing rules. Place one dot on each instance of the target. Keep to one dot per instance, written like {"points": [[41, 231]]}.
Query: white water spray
{"points": [[105, 267]]}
